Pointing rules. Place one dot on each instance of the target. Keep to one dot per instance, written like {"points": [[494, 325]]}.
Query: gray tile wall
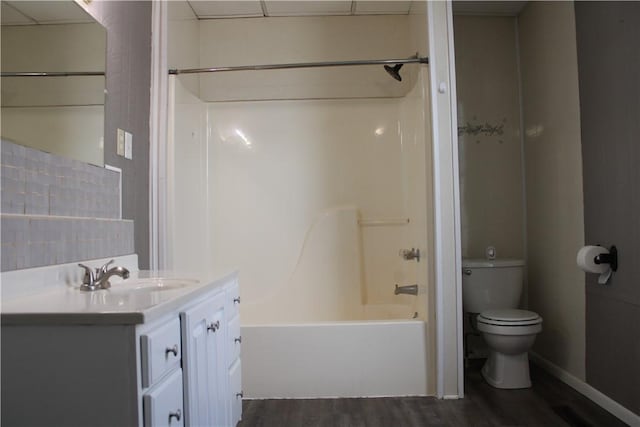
{"points": [[56, 210], [35, 241], [127, 107]]}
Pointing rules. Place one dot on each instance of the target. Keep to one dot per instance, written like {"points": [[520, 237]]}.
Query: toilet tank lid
{"points": [[491, 263]]}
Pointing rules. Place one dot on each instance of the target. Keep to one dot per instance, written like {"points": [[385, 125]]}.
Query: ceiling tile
{"points": [[226, 9], [10, 16], [382, 7], [52, 12], [307, 8]]}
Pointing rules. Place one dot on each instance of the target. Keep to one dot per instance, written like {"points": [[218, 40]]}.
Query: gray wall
{"points": [[128, 25], [608, 41]]}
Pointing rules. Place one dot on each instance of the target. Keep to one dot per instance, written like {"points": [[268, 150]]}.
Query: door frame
{"points": [[446, 192]]}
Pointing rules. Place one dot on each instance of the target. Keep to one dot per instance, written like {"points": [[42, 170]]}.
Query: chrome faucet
{"points": [[94, 280], [409, 254], [409, 290]]}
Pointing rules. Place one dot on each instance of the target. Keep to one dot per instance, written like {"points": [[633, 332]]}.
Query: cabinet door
{"points": [[204, 363], [235, 399], [163, 403]]}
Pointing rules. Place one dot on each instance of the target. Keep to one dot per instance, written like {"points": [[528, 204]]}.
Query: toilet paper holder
{"points": [[611, 258]]}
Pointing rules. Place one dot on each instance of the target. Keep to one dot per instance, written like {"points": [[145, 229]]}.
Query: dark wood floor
{"points": [[548, 403]]}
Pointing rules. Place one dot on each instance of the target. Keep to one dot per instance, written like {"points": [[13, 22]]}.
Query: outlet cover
{"points": [[120, 143], [128, 145]]}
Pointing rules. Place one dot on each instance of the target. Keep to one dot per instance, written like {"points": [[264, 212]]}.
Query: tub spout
{"points": [[409, 290]]}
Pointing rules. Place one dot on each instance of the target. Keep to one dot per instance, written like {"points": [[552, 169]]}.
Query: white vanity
{"points": [[155, 350]]}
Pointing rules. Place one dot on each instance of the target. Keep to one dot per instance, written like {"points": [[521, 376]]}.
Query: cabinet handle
{"points": [[173, 350], [214, 326], [239, 395], [236, 300], [177, 415], [238, 340]]}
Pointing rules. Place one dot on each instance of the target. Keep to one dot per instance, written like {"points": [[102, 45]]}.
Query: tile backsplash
{"points": [[56, 210], [34, 241]]}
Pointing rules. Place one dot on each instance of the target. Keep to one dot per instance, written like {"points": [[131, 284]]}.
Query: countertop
{"points": [[145, 296]]}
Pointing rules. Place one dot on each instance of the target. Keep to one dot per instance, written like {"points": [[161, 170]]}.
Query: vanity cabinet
{"points": [[179, 369], [234, 344]]}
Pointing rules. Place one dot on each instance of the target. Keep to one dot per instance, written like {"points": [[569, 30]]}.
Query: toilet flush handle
{"points": [[467, 271]]}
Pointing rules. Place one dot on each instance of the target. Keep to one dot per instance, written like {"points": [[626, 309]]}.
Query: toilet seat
{"points": [[509, 322], [509, 317]]}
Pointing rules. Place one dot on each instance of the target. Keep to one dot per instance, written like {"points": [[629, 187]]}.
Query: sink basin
{"points": [[152, 284], [136, 293]]}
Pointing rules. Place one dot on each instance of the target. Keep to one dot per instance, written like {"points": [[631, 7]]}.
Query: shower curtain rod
{"points": [[412, 60], [50, 73]]}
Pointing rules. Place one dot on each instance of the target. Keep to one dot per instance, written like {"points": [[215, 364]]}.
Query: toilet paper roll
{"points": [[586, 259]]}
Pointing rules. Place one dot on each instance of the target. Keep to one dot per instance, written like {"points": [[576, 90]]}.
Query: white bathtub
{"points": [[335, 359], [318, 334]]}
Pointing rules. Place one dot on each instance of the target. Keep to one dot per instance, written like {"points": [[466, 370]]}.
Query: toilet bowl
{"points": [[509, 334]]}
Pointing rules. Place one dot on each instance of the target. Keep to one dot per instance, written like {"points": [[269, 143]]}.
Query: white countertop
{"points": [[145, 296]]}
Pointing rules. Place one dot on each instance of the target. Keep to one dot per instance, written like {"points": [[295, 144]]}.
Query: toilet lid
{"points": [[509, 317]]}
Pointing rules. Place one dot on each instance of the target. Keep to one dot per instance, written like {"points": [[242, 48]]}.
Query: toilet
{"points": [[492, 289]]}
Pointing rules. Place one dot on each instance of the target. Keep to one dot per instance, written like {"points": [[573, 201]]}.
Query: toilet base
{"points": [[507, 371]]}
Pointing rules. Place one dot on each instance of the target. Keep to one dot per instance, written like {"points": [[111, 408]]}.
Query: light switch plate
{"points": [[120, 143], [128, 145]]}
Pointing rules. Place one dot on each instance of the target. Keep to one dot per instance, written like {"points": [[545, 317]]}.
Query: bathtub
{"points": [[320, 335], [335, 359]]}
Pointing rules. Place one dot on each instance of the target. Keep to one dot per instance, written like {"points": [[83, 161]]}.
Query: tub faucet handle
{"points": [[409, 254]]}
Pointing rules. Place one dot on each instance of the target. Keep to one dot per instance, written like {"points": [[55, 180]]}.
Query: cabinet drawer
{"points": [[161, 352], [235, 340], [233, 299], [235, 381], [163, 403]]}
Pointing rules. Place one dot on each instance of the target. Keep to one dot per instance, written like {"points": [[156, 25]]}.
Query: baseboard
{"points": [[450, 397], [585, 389]]}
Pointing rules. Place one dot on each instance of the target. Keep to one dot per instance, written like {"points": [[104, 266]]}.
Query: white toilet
{"points": [[492, 289]]}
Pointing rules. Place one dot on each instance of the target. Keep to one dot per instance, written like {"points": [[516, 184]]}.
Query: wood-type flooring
{"points": [[548, 403]]}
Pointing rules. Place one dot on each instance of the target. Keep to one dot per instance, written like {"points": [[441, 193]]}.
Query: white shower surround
{"points": [[309, 272], [357, 338]]}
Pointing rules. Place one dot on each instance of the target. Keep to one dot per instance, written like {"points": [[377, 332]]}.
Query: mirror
{"points": [[63, 115]]}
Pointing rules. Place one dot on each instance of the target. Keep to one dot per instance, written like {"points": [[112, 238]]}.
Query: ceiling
{"points": [[208, 9], [42, 12], [63, 12]]}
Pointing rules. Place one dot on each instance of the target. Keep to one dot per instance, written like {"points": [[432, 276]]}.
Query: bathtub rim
{"points": [[336, 323]]}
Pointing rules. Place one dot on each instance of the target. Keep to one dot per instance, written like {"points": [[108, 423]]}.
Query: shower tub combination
{"points": [[313, 186]]}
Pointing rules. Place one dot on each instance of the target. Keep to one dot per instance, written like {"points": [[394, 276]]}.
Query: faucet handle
{"points": [[103, 269], [89, 276]]}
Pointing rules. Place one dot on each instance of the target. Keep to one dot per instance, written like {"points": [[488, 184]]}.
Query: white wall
{"points": [[555, 218], [189, 248], [491, 173], [183, 42], [225, 42]]}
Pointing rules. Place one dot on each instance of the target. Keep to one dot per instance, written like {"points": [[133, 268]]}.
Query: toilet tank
{"points": [[491, 284]]}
